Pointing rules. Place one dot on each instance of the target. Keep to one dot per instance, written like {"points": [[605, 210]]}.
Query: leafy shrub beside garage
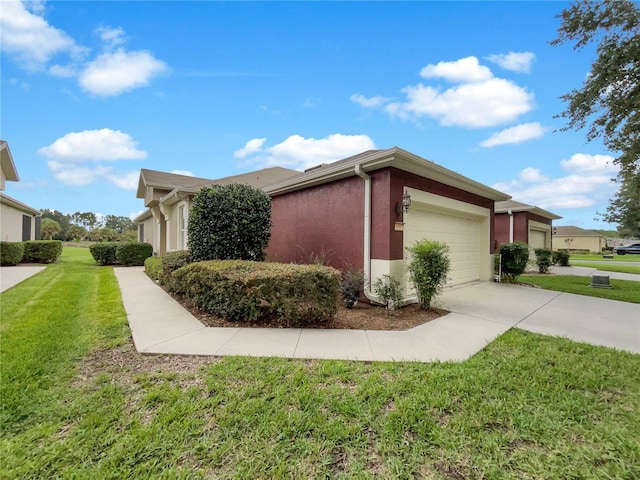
{"points": [[428, 269], [11, 253], [229, 222], [560, 258], [513, 260], [543, 259], [275, 293], [104, 253], [42, 251], [133, 254]]}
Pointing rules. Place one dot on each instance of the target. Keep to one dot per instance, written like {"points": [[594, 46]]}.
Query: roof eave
{"points": [[7, 164]]}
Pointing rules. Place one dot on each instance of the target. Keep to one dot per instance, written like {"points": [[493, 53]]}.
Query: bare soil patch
{"points": [[362, 317]]}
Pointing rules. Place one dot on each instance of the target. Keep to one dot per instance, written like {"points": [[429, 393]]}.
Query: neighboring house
{"points": [[519, 222], [18, 222], [351, 214], [574, 238], [168, 198]]}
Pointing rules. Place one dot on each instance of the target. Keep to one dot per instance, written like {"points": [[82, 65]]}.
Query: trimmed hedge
{"points": [[104, 253], [153, 268], [561, 258], [161, 268], [133, 254], [11, 253], [276, 293], [42, 251]]}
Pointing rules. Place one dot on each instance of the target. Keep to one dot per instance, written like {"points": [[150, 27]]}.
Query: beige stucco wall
{"points": [[11, 224], [592, 243]]}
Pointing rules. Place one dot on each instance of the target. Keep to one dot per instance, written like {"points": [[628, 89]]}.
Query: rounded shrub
{"points": [[172, 261], [513, 260], [11, 253], [387, 289], [229, 222], [560, 258], [42, 251], [133, 254], [428, 269], [104, 253], [543, 259], [153, 268]]}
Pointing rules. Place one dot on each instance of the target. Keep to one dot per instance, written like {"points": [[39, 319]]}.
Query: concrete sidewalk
{"points": [[11, 276], [480, 312]]}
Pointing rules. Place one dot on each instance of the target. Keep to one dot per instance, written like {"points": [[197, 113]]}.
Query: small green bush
{"points": [[428, 269], [543, 259], [561, 258], [171, 262], [351, 285], [153, 268], [276, 293], [42, 251], [133, 254], [104, 253], [513, 260], [11, 253], [387, 289]]}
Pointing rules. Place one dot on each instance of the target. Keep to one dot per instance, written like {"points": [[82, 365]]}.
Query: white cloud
{"points": [[587, 185], [532, 175], [300, 153], [74, 175], [514, 135], [465, 70], [111, 36], [478, 99], [182, 172], [94, 145], [514, 61], [29, 38], [474, 105], [63, 71], [363, 101], [126, 181], [113, 73], [585, 163], [251, 147]]}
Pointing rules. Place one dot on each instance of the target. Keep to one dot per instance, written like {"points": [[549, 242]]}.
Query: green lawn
{"points": [[608, 268], [616, 258], [79, 402], [623, 290]]}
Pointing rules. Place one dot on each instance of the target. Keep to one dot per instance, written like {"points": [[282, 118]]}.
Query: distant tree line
{"points": [[85, 226]]}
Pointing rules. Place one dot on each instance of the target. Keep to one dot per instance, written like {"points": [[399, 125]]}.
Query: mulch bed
{"points": [[362, 317]]}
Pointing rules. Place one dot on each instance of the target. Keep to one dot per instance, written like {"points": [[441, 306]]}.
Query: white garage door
{"points": [[536, 239], [460, 233]]}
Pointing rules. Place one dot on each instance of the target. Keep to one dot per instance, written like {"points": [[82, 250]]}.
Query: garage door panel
{"points": [[460, 233], [537, 239]]}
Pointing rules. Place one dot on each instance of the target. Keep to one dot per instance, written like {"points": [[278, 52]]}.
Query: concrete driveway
{"points": [[584, 319]]}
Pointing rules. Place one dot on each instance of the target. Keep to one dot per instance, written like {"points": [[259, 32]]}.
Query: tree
{"points": [[609, 100], [88, 220], [63, 221], [49, 228], [229, 222], [119, 224], [76, 232]]}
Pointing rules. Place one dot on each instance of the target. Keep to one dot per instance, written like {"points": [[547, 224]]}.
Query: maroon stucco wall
{"points": [[329, 219], [520, 226], [326, 219], [400, 179]]}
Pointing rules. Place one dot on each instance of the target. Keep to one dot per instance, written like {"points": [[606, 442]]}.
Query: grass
{"points": [[609, 268], [527, 406], [623, 290], [616, 258]]}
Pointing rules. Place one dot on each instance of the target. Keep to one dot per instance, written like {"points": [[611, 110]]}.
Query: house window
{"points": [[26, 228], [141, 232], [182, 234]]}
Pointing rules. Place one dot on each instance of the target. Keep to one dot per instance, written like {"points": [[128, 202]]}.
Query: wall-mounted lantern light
{"points": [[555, 231], [406, 202]]}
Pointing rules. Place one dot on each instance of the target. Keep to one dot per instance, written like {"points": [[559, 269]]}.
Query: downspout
{"points": [[510, 225], [367, 234], [367, 242]]}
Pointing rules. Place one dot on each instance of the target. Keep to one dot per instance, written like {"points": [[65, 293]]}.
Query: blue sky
{"points": [[94, 91]]}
